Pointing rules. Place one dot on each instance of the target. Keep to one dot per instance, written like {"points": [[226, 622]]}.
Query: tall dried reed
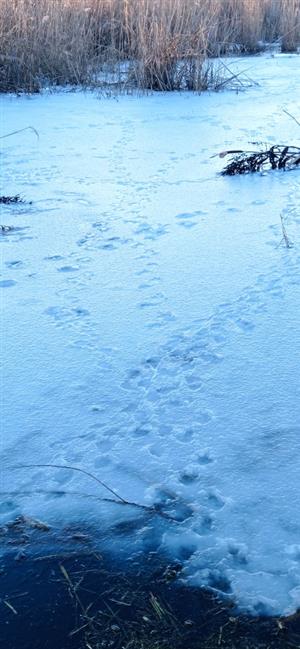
{"points": [[289, 24], [159, 44]]}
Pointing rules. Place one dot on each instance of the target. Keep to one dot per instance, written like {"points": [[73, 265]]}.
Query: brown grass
{"points": [[156, 44]]}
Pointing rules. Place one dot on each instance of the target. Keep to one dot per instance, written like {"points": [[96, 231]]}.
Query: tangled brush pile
{"points": [[276, 157]]}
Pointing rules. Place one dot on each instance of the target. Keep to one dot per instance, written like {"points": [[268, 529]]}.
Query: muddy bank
{"points": [[58, 591]]}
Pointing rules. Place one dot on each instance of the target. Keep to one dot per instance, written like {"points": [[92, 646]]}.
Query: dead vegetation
{"points": [[56, 584], [275, 157], [6, 228], [160, 45], [10, 200], [149, 510]]}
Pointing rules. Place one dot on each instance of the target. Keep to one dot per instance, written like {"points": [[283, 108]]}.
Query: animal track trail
{"points": [[191, 359]]}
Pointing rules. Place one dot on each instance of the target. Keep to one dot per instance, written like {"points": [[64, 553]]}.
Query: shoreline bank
{"points": [[58, 590]]}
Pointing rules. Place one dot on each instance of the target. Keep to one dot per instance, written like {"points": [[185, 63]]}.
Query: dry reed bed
{"points": [[155, 44]]}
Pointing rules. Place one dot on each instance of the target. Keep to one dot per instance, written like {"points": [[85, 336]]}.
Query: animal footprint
{"points": [[189, 475], [205, 457]]}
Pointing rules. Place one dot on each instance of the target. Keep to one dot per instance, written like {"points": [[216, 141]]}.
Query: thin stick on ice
{"points": [[20, 130], [103, 484]]}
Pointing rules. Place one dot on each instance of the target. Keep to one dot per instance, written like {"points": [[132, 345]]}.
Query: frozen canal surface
{"points": [[151, 326]]}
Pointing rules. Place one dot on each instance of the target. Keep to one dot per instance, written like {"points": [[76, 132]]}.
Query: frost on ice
{"points": [[151, 328]]}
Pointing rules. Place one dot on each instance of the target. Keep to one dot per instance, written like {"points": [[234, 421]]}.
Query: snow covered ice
{"points": [[150, 329]]}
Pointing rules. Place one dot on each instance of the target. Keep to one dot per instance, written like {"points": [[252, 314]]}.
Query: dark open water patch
{"points": [[57, 591]]}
